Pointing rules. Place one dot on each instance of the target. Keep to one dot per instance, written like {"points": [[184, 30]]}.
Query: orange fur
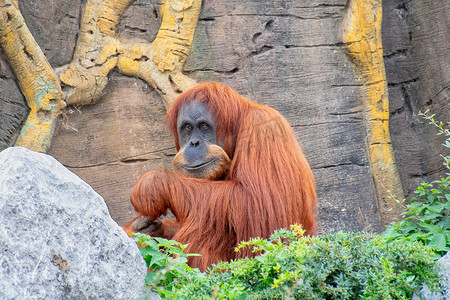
{"points": [[164, 228], [269, 184]]}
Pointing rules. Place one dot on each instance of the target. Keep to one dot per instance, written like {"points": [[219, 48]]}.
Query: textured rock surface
{"points": [[13, 108], [286, 54], [57, 240], [416, 45]]}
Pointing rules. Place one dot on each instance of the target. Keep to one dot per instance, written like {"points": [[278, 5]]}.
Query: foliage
{"points": [[338, 266], [427, 217], [165, 260]]}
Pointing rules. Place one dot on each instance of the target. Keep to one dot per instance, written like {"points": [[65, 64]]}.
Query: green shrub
{"points": [[165, 260], [427, 217], [338, 266]]}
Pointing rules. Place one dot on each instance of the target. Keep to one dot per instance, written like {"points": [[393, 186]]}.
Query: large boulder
{"points": [[57, 239]]}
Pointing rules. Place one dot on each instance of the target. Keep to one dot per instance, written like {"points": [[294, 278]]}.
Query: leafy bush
{"points": [[165, 260], [338, 266], [428, 215]]}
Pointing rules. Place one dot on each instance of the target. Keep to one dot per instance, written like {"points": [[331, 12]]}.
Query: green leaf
{"points": [[431, 216], [408, 213], [193, 254], [415, 205], [447, 197], [176, 251], [434, 229], [444, 223], [437, 208], [438, 242], [148, 251], [420, 236], [156, 260], [408, 227], [150, 277], [447, 237]]}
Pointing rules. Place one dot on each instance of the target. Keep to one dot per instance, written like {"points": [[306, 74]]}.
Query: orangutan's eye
{"points": [[204, 126], [188, 128]]}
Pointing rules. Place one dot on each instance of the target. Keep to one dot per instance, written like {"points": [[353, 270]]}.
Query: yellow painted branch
{"points": [[135, 60], [161, 63], [362, 36], [174, 38], [36, 78], [95, 54]]}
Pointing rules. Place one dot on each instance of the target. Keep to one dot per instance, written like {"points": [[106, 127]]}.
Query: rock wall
{"points": [[416, 46], [13, 108], [285, 54]]}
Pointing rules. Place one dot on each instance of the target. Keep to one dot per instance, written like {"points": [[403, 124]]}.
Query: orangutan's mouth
{"points": [[199, 166]]}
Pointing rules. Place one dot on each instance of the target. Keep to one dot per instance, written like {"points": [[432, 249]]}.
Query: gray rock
{"points": [[57, 239], [445, 263], [418, 78]]}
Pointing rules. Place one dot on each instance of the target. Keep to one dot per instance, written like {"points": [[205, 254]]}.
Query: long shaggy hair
{"points": [[269, 184]]}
